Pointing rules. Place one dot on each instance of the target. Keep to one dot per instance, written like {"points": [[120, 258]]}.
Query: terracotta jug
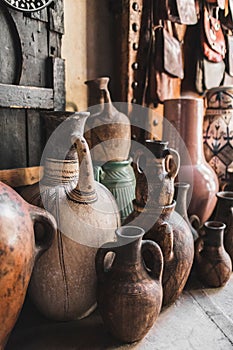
{"points": [[156, 168], [224, 213], [218, 129], [212, 262], [167, 228], [129, 296], [119, 178], [107, 130], [63, 284], [182, 127], [19, 247]]}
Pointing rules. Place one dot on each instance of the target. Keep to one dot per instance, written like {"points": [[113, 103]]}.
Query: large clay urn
{"points": [[213, 264], [224, 213], [182, 127], [129, 295], [63, 284], [107, 130], [19, 248]]}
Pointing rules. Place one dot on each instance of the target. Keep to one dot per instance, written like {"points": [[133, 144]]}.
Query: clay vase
{"points": [[212, 263], [119, 178], [218, 129], [19, 248], [63, 284], [228, 181], [224, 213], [167, 228], [180, 196], [129, 296], [182, 127], [155, 171], [107, 130]]}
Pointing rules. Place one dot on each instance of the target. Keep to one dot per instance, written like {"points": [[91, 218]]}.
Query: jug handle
{"points": [[157, 268], [199, 245], [98, 173], [39, 215], [172, 162], [100, 257]]}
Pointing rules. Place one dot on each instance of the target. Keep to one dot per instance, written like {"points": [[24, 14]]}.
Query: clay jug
{"points": [[156, 168], [108, 131], [119, 178], [212, 263], [224, 213], [129, 296], [218, 129], [228, 181], [167, 228], [63, 284], [182, 127], [19, 248]]}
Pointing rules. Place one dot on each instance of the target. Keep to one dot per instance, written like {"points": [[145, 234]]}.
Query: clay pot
{"points": [[182, 127], [108, 131], [119, 178], [129, 296], [167, 228], [218, 129], [224, 213], [212, 262], [19, 248], [157, 167], [63, 284]]}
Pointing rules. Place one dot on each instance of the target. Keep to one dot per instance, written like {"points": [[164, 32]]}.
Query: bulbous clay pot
{"points": [[128, 295], [19, 248], [167, 228], [212, 263], [63, 284], [182, 127], [108, 131], [224, 213]]}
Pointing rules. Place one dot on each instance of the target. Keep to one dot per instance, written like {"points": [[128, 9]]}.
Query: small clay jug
{"points": [[119, 178], [19, 248], [63, 284], [129, 295], [167, 228], [108, 131], [212, 263], [224, 213], [156, 168]]}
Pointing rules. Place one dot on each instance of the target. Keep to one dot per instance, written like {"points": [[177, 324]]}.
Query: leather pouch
{"points": [[208, 74], [229, 54], [179, 11]]}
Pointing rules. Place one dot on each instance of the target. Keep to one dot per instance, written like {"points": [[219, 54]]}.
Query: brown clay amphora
{"points": [[155, 171], [224, 213], [212, 263], [108, 131], [129, 296], [182, 127], [167, 228], [63, 284], [19, 248]]}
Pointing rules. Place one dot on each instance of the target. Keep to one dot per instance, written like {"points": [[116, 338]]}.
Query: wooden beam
{"points": [[21, 176], [13, 96]]}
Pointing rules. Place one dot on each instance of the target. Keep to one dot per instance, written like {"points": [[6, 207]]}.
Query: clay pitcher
{"points": [[224, 213], [156, 169], [212, 262], [107, 130], [19, 248], [63, 285], [129, 296]]}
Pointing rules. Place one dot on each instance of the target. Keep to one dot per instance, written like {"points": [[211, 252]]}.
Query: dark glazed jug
{"points": [[212, 262], [129, 296], [19, 248]]}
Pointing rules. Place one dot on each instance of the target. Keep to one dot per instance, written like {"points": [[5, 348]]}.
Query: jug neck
{"points": [[214, 234]]}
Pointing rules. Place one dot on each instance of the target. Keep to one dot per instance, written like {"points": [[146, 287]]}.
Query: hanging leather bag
{"points": [[179, 11]]}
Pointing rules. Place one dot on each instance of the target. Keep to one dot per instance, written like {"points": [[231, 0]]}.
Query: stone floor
{"points": [[201, 319]]}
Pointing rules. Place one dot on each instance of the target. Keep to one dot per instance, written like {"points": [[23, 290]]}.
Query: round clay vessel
{"points": [[129, 296], [182, 127], [63, 284], [19, 247], [107, 130], [212, 263]]}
